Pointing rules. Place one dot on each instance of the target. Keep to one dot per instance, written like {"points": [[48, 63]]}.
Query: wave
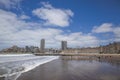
{"points": [[20, 54], [12, 67]]}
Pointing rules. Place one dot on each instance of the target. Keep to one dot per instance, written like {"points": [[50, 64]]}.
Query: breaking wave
{"points": [[12, 66]]}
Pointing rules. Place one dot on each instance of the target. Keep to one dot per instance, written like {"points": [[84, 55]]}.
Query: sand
{"points": [[80, 69]]}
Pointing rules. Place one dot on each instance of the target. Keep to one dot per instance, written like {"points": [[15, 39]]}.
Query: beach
{"points": [[13, 65], [75, 69]]}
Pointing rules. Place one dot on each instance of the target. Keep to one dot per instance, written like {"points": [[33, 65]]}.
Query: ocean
{"points": [[13, 65], [31, 67]]}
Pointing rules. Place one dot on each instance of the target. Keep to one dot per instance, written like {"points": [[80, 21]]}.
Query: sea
{"points": [[13, 65], [31, 67]]}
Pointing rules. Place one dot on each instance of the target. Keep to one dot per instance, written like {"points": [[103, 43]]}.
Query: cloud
{"points": [[24, 17], [54, 16], [108, 27], [10, 22], [10, 27], [16, 31], [116, 31], [9, 3], [79, 39]]}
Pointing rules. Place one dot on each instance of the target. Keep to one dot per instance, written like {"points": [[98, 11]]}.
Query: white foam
{"points": [[19, 64], [1, 55]]}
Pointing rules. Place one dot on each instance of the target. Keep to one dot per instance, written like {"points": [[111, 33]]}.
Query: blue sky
{"points": [[82, 23]]}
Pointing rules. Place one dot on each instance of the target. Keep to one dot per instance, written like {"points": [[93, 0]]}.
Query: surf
{"points": [[12, 66]]}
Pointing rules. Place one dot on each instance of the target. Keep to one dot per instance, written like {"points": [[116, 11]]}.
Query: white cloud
{"points": [[9, 3], [10, 26], [79, 39], [10, 22], [116, 31], [106, 27], [16, 31], [54, 16], [24, 17]]}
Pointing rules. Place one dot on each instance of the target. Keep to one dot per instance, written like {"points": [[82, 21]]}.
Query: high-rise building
{"points": [[64, 45], [42, 45], [27, 49]]}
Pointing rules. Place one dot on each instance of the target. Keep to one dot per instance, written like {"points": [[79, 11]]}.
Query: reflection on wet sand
{"points": [[76, 68], [113, 60]]}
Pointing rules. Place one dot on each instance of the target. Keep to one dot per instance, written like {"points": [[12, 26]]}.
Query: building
{"points": [[82, 50], [27, 49], [111, 48], [42, 45], [64, 45]]}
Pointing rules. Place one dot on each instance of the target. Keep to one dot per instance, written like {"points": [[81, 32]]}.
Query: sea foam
{"points": [[11, 66]]}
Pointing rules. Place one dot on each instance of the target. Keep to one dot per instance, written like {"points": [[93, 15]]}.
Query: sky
{"points": [[82, 23]]}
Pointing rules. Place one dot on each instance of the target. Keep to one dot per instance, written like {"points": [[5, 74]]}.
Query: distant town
{"points": [[112, 48]]}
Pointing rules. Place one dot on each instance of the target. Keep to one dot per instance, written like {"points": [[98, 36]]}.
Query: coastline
{"points": [[11, 66], [74, 70], [113, 59]]}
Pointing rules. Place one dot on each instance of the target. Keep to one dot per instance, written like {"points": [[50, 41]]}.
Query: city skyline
{"points": [[79, 22], [111, 48]]}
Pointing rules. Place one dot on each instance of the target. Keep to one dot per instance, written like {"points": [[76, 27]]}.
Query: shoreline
{"points": [[78, 54], [77, 69], [68, 54]]}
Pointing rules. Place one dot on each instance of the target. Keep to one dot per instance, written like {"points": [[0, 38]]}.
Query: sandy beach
{"points": [[66, 69]]}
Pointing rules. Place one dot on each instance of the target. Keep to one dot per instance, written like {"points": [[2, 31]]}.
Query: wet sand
{"points": [[76, 69]]}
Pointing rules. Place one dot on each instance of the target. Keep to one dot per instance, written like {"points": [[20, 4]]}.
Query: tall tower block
{"points": [[42, 45], [64, 45]]}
